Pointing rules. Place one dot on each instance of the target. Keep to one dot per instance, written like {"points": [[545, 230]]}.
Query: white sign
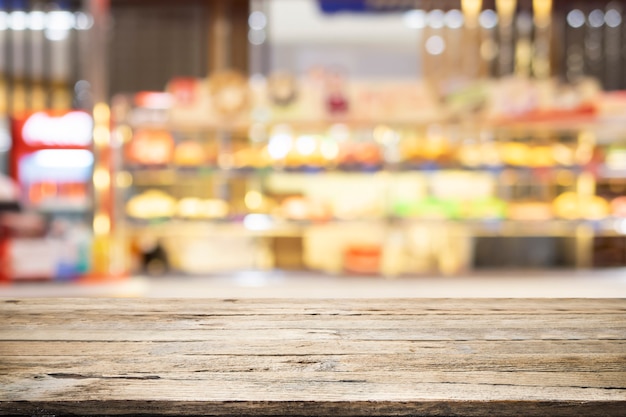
{"points": [[72, 129], [22, 252]]}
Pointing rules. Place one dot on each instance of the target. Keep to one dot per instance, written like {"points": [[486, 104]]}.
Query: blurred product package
{"points": [[34, 248]]}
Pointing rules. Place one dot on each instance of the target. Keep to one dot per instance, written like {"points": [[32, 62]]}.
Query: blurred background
{"points": [[323, 148]]}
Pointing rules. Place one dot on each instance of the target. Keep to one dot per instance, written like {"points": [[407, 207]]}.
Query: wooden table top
{"points": [[383, 357]]}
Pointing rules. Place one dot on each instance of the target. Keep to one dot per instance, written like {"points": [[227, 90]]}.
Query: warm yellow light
{"points": [[565, 178], [329, 150], [226, 161], [586, 185], [3, 96], [101, 179], [506, 10], [253, 200], [101, 114], [123, 179], [101, 136], [542, 10], [124, 133], [19, 98], [257, 132], [384, 135], [471, 10], [101, 224], [587, 137]]}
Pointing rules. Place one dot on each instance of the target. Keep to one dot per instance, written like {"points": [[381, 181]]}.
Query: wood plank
{"points": [[469, 408], [313, 357], [609, 366], [176, 321], [318, 387], [314, 306], [299, 348], [425, 334]]}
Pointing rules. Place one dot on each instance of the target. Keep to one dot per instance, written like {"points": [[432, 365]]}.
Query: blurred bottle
{"points": [[80, 239], [65, 253], [19, 23], [37, 21], [59, 34]]}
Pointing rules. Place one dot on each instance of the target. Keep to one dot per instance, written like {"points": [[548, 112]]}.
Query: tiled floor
{"points": [[552, 284]]}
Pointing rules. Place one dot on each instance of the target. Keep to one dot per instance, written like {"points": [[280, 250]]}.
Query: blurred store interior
{"points": [[313, 148]]}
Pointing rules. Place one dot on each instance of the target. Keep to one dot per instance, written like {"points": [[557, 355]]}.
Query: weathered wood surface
{"points": [[448, 357]]}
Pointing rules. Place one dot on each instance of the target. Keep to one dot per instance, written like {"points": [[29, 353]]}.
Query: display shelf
{"points": [[153, 173], [606, 130], [261, 171], [275, 227], [244, 125], [166, 118]]}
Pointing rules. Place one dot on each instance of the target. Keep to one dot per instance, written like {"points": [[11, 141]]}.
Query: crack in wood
{"points": [[81, 376]]}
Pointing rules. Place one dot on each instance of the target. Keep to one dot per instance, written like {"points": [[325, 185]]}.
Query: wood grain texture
{"points": [[413, 357]]}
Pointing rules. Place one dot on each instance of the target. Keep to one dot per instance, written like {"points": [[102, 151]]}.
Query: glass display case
{"points": [[362, 177]]}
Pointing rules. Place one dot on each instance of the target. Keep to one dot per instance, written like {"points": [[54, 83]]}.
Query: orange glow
{"points": [[48, 189]]}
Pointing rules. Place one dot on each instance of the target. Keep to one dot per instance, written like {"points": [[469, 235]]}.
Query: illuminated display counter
{"points": [[360, 177]]}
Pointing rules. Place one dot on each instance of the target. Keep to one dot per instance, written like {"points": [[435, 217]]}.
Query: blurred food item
{"points": [[541, 156], [566, 206], [618, 206], [252, 158], [295, 208], [485, 208], [357, 156], [196, 208], [183, 90], [564, 154], [522, 99], [476, 154], [229, 92], [151, 204], [594, 208], [436, 147], [362, 259], [151, 147], [490, 154], [515, 153], [215, 208], [306, 153], [282, 88], [533, 210], [404, 207], [409, 148], [584, 153], [190, 154], [190, 208], [470, 155], [571, 206], [368, 154], [436, 208], [301, 208]]}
